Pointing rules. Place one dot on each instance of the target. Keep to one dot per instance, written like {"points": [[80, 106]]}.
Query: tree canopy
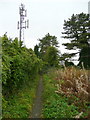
{"points": [[46, 42], [47, 50], [76, 29], [52, 56]]}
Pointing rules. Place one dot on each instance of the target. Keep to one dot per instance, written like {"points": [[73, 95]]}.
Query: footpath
{"points": [[37, 107]]}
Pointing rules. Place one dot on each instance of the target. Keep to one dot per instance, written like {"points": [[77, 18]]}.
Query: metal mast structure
{"points": [[89, 18], [22, 24], [89, 8]]}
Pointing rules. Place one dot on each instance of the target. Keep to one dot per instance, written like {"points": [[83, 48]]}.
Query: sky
{"points": [[45, 16]]}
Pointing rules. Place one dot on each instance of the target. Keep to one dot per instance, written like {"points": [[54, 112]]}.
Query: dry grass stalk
{"points": [[79, 115], [73, 81]]}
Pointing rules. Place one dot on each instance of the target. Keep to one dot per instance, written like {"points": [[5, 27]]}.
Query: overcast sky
{"points": [[45, 16]]}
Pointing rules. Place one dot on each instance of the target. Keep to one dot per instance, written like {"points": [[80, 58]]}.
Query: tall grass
{"points": [[73, 81], [74, 84], [19, 105]]}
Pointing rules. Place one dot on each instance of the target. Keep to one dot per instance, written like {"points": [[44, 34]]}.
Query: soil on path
{"points": [[37, 108]]}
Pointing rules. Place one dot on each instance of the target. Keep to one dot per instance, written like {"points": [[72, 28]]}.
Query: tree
{"points": [[36, 50], [52, 57], [85, 57], [76, 30], [46, 42], [66, 59]]}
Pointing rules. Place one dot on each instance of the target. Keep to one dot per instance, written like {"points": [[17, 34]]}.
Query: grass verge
{"points": [[56, 105], [20, 104]]}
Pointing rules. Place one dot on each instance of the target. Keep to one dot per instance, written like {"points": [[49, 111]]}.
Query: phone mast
{"points": [[23, 23]]}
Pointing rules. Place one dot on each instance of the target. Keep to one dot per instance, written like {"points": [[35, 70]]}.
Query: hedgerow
{"points": [[19, 65]]}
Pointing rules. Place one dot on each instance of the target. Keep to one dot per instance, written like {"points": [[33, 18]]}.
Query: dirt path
{"points": [[37, 108]]}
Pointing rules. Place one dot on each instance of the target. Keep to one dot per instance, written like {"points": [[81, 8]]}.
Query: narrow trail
{"points": [[37, 108]]}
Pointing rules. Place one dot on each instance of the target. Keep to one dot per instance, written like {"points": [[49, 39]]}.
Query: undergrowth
{"points": [[74, 83], [58, 105], [20, 104]]}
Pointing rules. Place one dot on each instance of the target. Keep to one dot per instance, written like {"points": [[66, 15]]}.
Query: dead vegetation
{"points": [[73, 81]]}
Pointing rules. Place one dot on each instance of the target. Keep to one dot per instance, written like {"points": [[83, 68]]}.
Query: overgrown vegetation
{"points": [[20, 68], [20, 65], [66, 89], [20, 104], [74, 81], [63, 97], [56, 106]]}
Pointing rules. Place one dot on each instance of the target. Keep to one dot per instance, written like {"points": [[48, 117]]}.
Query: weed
{"points": [[56, 106], [20, 104]]}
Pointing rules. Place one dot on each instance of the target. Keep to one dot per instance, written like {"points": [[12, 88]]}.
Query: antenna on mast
{"points": [[89, 19], [22, 24]]}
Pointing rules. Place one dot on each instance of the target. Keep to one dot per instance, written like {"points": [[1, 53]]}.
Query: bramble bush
{"points": [[20, 74], [19, 65]]}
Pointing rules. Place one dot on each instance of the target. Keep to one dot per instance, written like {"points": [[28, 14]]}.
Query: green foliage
{"points": [[59, 108], [46, 42], [20, 65], [36, 50], [56, 106], [69, 63], [52, 57], [47, 51], [85, 57], [20, 104], [76, 30], [20, 68]]}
